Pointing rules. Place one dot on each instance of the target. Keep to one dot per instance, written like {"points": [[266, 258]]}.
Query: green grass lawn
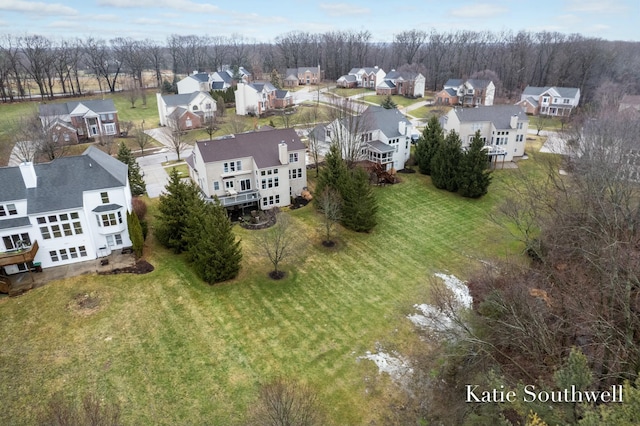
{"points": [[173, 350], [426, 112], [399, 100]]}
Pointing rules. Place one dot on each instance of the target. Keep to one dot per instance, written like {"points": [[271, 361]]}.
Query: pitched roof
{"points": [[61, 182], [96, 105], [222, 76], [15, 222], [387, 84], [385, 119], [262, 146], [348, 77], [265, 85], [183, 99], [565, 92], [281, 94], [202, 77], [217, 85], [499, 115], [454, 82], [478, 84]]}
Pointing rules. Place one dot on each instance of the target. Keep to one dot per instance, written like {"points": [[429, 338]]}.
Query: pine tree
{"points": [[359, 206], [211, 244], [135, 233], [445, 164], [334, 174], [275, 79], [474, 177], [431, 138], [387, 103], [174, 211], [138, 187]]}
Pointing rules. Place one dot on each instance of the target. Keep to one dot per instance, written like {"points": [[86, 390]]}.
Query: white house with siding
{"points": [[502, 127], [72, 209]]}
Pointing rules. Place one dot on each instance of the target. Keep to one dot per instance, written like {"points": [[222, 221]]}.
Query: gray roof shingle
{"points": [[499, 115], [262, 146], [99, 106], [61, 182], [16, 222]]}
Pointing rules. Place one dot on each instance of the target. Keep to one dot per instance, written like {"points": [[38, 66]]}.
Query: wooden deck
{"points": [[19, 256]]}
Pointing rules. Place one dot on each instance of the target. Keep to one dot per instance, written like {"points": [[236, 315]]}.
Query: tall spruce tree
{"points": [[174, 211], [474, 176], [445, 164], [359, 206], [138, 187], [135, 233], [334, 174], [211, 244], [431, 138]]}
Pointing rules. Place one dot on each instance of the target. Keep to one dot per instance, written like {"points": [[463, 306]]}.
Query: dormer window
{"points": [[195, 107], [105, 197]]}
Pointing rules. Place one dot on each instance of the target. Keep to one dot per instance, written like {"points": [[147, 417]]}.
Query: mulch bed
{"points": [[407, 171], [141, 267], [299, 202]]}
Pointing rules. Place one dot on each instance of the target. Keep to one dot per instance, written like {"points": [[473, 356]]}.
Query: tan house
{"points": [[472, 92], [410, 84], [553, 101], [302, 76], [262, 169], [368, 77]]}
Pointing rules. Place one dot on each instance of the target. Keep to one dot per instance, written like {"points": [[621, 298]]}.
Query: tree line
{"points": [[517, 59]]}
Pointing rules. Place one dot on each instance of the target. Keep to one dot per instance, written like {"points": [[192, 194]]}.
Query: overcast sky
{"points": [[263, 20]]}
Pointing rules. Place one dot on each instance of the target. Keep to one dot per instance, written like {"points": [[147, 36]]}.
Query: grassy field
{"points": [[399, 100], [173, 350]]}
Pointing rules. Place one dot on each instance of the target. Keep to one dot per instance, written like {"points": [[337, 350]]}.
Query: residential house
{"points": [[368, 77], [384, 136], [553, 101], [302, 76], [196, 82], [405, 83], [79, 120], [472, 92], [72, 209], [502, 127], [205, 82], [261, 169], [258, 98], [630, 103], [187, 111]]}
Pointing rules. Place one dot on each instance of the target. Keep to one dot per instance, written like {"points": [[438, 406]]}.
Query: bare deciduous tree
{"points": [[278, 243], [285, 402], [330, 205], [143, 140], [349, 121]]}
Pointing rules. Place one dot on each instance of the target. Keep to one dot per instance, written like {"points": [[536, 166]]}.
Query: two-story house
{"points": [[472, 92], [368, 77], [302, 76], [79, 120], [258, 98], [219, 80], [186, 111], [72, 209], [502, 127], [554, 101], [256, 169], [405, 83], [382, 136]]}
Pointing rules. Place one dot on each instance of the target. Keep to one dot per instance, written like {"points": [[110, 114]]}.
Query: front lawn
{"points": [[401, 101], [173, 350]]}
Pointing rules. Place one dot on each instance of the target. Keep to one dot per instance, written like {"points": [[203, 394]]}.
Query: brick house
{"points": [[80, 120]]}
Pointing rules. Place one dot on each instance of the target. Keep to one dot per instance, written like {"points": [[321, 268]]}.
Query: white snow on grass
{"points": [[430, 317], [395, 366]]}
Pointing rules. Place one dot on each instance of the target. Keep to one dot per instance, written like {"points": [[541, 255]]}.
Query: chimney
{"points": [[376, 67], [283, 153], [29, 175], [402, 128], [514, 121]]}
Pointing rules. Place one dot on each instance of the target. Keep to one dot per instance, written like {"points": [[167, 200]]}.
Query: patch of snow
{"points": [[459, 289], [395, 366], [430, 317]]}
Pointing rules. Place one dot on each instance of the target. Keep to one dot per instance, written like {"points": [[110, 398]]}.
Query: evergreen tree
{"points": [[138, 187], [211, 244], [431, 138], [445, 164], [275, 79], [387, 103], [174, 211], [334, 174], [359, 206], [135, 233], [474, 177]]}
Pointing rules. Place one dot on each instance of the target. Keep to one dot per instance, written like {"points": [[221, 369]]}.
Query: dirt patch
{"points": [[141, 267], [85, 304], [407, 171], [329, 244]]}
